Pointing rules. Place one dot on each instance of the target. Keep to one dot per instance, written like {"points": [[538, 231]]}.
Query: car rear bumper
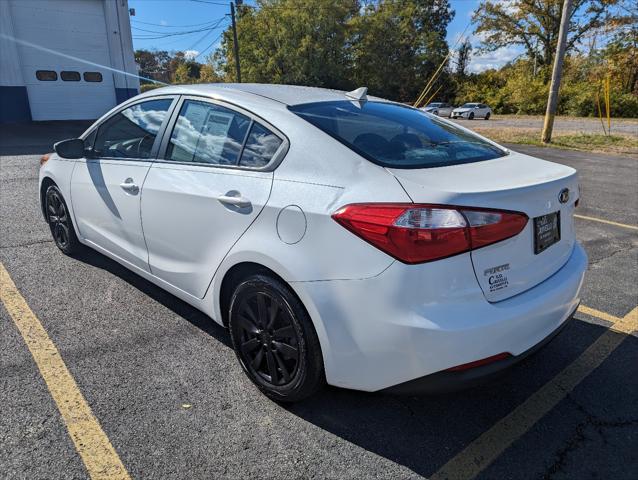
{"points": [[452, 381], [412, 321]]}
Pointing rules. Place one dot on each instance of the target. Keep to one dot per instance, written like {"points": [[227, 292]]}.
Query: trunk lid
{"points": [[515, 182]]}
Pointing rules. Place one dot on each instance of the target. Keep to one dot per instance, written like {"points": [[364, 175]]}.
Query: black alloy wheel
{"points": [[274, 339], [487, 116], [60, 222], [471, 116]]}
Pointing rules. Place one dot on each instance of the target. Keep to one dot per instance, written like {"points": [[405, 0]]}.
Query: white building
{"points": [[61, 59]]}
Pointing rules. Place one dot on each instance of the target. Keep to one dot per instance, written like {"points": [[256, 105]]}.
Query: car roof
{"points": [[284, 94]]}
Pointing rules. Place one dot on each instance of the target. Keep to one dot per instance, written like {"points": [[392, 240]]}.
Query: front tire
{"points": [[487, 116], [60, 223], [471, 116], [274, 339]]}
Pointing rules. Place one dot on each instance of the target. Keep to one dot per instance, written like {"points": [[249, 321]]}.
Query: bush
{"points": [[145, 87], [624, 105]]}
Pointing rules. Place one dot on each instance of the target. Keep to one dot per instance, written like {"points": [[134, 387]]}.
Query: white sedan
{"points": [[440, 109], [472, 111], [340, 238]]}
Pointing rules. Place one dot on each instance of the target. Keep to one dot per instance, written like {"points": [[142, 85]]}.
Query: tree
{"points": [[397, 46], [291, 41], [463, 57], [181, 75], [534, 24], [207, 74]]}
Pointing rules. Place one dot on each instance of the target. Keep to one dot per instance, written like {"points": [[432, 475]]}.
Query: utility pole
{"points": [[235, 44], [557, 72]]}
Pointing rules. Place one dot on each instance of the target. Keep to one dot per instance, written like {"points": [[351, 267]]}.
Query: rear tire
{"points": [[60, 223], [275, 340], [487, 116]]}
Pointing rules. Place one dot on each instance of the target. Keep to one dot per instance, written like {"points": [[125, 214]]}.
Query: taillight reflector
{"points": [[481, 362], [415, 233]]}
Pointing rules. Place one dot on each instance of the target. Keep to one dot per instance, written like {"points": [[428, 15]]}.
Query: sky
{"points": [[156, 22]]}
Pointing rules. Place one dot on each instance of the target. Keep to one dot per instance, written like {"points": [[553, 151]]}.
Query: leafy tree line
{"points": [[390, 46], [522, 86], [394, 47]]}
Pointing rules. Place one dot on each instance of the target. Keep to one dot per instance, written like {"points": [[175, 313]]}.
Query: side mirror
{"points": [[71, 148]]}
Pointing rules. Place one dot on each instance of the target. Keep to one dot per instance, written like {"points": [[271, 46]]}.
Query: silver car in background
{"points": [[441, 109]]}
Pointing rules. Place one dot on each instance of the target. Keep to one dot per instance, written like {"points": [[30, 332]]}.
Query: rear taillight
{"points": [[414, 233]]}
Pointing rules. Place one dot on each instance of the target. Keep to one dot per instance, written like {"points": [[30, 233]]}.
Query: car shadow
{"points": [[421, 433], [168, 300]]}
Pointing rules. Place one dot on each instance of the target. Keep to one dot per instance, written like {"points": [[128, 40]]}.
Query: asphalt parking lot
{"points": [[166, 389]]}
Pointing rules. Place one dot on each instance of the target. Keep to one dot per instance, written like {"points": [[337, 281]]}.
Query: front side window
{"points": [[208, 133], [131, 133], [396, 136]]}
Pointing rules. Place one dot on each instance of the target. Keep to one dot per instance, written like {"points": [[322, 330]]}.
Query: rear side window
{"points": [[396, 136], [207, 133], [46, 75], [70, 76], [131, 133], [261, 146]]}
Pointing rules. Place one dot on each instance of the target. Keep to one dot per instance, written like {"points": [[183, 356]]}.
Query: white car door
{"points": [[105, 190], [213, 181]]}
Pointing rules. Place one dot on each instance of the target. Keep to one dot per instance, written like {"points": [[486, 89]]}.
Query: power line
{"points": [[202, 38], [177, 34], [173, 26], [209, 46], [211, 3], [209, 25]]}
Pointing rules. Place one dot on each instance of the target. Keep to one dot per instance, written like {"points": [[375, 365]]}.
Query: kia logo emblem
{"points": [[563, 196]]}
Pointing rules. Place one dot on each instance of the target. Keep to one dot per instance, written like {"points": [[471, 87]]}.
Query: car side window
{"points": [[131, 133], [260, 147], [208, 133]]}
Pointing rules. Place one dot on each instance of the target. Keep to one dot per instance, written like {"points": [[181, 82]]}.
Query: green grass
{"points": [[592, 142]]}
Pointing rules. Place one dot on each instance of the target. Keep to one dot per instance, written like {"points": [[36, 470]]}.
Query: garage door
{"points": [[60, 87]]}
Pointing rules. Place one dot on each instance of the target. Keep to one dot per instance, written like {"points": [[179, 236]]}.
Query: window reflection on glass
{"points": [[207, 133], [260, 147], [131, 133], [397, 136]]}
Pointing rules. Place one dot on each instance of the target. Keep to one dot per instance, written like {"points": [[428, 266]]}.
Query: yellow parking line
{"points": [[486, 448], [99, 456], [608, 222], [592, 312]]}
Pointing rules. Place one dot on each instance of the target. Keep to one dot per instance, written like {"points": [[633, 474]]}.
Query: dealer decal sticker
{"points": [[497, 279]]}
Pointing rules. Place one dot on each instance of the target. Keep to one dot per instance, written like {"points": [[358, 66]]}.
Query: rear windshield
{"points": [[395, 135]]}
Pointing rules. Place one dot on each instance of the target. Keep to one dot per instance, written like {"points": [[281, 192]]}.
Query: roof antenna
{"points": [[360, 94]]}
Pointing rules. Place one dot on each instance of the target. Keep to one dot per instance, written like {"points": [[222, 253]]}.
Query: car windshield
{"points": [[469, 105], [397, 136]]}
